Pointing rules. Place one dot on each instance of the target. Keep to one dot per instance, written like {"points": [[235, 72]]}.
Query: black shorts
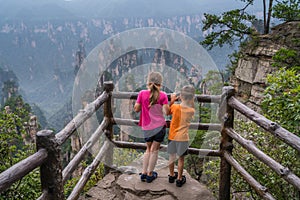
{"points": [[157, 134], [178, 147]]}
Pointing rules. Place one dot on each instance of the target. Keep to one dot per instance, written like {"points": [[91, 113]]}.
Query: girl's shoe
{"points": [[179, 183], [143, 177], [151, 178], [173, 178]]}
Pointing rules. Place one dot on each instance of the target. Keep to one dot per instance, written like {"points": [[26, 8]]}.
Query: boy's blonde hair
{"points": [[187, 92], [154, 82]]}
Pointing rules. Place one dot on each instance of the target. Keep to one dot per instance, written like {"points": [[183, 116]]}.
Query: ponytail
{"points": [[154, 82], [154, 94]]}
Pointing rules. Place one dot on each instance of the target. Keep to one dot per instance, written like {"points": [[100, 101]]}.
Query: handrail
{"points": [[22, 168], [282, 171], [195, 126], [283, 134], [199, 97], [227, 102], [82, 152], [80, 118], [256, 185], [88, 172], [137, 145]]}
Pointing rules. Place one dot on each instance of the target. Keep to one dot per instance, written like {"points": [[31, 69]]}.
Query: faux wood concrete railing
{"points": [[53, 177]]}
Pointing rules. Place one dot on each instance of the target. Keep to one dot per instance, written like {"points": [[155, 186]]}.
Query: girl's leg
{"points": [[172, 158], [153, 157], [146, 158], [180, 167]]}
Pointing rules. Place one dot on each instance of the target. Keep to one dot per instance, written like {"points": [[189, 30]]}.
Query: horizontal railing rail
{"points": [[53, 177], [282, 171], [194, 126], [270, 126], [80, 118], [21, 169], [142, 146], [261, 190], [73, 164], [199, 97]]}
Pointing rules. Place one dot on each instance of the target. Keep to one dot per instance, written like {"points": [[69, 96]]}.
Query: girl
{"points": [[153, 104]]}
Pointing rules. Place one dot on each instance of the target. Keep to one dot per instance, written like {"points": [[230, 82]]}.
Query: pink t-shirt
{"points": [[151, 117]]}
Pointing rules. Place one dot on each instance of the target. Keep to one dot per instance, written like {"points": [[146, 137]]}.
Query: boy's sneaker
{"points": [[179, 183], [143, 177], [173, 178], [151, 178]]}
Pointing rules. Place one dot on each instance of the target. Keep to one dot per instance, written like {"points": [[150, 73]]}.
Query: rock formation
{"points": [[125, 184], [256, 62]]}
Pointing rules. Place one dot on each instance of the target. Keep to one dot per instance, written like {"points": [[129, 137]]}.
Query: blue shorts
{"points": [[157, 134], [178, 147]]}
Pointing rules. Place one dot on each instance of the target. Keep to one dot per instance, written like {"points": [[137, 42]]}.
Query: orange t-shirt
{"points": [[181, 119]]}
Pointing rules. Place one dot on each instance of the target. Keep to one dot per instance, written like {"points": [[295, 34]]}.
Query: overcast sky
{"points": [[110, 8]]}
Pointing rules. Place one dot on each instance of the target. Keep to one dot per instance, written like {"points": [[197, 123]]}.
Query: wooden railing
{"points": [[53, 177]]}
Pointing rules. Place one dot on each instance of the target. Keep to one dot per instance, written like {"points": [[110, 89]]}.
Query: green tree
{"points": [[13, 150], [280, 104], [287, 10], [287, 58], [237, 25], [19, 107], [228, 28], [282, 97]]}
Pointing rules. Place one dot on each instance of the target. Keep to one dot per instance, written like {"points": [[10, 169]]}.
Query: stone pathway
{"points": [[123, 186]]}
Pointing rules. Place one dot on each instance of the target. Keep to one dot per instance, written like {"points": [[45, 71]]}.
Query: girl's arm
{"points": [[137, 107], [166, 109]]}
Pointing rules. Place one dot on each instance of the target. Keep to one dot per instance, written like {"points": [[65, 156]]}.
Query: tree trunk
{"points": [[267, 16]]}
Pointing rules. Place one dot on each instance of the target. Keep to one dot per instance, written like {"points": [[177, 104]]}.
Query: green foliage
{"points": [[237, 25], [40, 115], [276, 149], [234, 58], [288, 10], [287, 58], [211, 171], [281, 104], [19, 107], [230, 27], [267, 143], [27, 188], [13, 150], [282, 99], [123, 157], [214, 82], [94, 179]]}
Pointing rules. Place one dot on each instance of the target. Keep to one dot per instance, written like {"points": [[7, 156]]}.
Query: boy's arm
{"points": [[172, 101], [193, 103]]}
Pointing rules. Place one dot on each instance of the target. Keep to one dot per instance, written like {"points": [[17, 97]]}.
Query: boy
{"points": [[182, 115]]}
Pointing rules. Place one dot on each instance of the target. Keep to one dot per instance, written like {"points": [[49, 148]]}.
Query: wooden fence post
{"points": [[108, 87], [51, 169], [226, 115]]}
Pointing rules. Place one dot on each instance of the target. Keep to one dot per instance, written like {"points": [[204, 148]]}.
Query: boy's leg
{"points": [[172, 158], [182, 148], [180, 166]]}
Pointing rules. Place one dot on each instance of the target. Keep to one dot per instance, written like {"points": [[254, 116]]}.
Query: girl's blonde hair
{"points": [[154, 82]]}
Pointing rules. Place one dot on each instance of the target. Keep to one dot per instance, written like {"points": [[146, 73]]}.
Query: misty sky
{"points": [[120, 8]]}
